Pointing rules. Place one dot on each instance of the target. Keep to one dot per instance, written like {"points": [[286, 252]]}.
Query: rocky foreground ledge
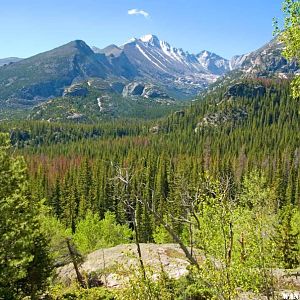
{"points": [[113, 264]]}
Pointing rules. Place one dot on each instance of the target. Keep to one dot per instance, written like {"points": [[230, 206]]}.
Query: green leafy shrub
{"points": [[92, 233], [75, 292]]}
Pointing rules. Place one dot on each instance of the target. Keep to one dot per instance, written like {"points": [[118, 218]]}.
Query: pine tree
{"points": [[56, 199], [286, 239], [161, 187], [84, 188], [24, 258]]}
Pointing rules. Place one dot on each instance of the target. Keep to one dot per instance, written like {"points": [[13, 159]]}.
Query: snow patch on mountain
{"points": [[100, 104], [144, 53], [147, 38]]}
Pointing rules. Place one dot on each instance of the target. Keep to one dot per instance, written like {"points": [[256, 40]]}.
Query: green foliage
{"points": [[286, 238], [74, 167], [141, 288], [24, 258], [56, 234], [256, 194], [296, 87], [75, 292], [295, 223], [92, 233], [235, 235], [290, 36], [42, 133], [114, 106], [291, 33], [161, 236]]}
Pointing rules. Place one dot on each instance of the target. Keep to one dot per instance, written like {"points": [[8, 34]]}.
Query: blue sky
{"points": [[226, 27]]}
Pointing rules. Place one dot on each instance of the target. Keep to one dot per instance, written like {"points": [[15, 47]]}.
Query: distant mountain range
{"points": [[171, 70], [177, 70]]}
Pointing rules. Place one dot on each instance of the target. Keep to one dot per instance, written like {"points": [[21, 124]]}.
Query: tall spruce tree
{"points": [[286, 238], [24, 259]]}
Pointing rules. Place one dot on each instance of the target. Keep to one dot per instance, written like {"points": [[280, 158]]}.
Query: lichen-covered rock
{"points": [[115, 264]]}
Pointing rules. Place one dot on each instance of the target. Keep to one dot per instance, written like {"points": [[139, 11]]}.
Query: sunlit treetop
{"points": [[290, 36]]}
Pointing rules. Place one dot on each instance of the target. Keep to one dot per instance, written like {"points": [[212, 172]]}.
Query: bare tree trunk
{"points": [[191, 238], [230, 243], [75, 264], [104, 268], [137, 242], [229, 256]]}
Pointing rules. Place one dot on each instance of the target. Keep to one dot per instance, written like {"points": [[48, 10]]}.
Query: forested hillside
{"points": [[240, 141], [111, 189], [220, 134]]}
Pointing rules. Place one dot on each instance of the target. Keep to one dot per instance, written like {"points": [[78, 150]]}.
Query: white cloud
{"points": [[141, 12]]}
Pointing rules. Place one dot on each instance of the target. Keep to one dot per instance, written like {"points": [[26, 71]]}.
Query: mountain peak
{"points": [[132, 40], [208, 54], [73, 47], [204, 53], [79, 44], [149, 38]]}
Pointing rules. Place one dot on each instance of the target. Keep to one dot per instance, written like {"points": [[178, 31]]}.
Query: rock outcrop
{"points": [[114, 264], [144, 90], [133, 89], [76, 91]]}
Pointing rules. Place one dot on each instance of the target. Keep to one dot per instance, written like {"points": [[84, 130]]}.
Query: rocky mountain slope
{"points": [[170, 72], [9, 60], [265, 61], [46, 74], [213, 63], [179, 72], [99, 99]]}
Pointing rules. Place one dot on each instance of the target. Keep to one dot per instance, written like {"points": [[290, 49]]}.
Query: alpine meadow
{"points": [[142, 171]]}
